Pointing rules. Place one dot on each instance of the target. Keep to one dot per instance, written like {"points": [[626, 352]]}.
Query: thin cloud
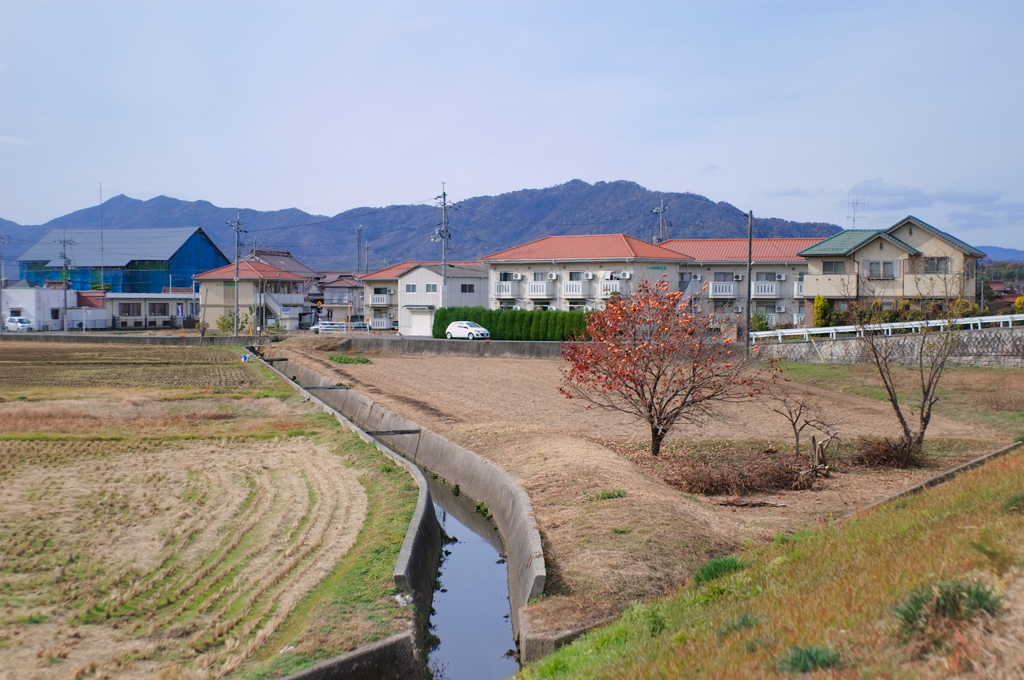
{"points": [[883, 195], [13, 141]]}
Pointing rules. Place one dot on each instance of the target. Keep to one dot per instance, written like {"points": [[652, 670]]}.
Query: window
{"points": [[800, 308], [764, 276], [129, 309], [158, 309], [885, 269], [430, 288], [54, 313], [800, 277], [410, 288], [380, 291], [721, 277], [193, 309], [833, 267], [575, 276], [469, 288], [15, 312], [505, 276], [936, 265], [540, 276]]}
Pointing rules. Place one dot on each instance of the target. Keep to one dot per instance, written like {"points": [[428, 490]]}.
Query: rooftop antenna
{"points": [[236, 224], [853, 204], [663, 224], [102, 277], [442, 235]]}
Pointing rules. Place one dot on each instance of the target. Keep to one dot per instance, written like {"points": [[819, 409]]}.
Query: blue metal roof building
{"points": [[122, 260]]}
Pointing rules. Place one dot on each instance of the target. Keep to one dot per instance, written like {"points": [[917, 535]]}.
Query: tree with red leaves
{"points": [[652, 356]]}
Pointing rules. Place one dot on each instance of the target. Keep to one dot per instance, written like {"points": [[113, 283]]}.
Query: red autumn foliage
{"points": [[651, 355]]}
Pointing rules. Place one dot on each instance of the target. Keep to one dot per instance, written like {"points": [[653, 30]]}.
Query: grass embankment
{"points": [[990, 397], [828, 598]]}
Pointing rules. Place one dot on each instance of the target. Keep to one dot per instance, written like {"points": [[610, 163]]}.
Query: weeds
{"points": [[930, 608], [345, 359], [1015, 503], [808, 659], [741, 622], [606, 494], [1000, 557], [718, 567]]}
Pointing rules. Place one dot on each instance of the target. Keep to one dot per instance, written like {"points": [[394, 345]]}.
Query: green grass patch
{"points": [[717, 568], [347, 359], [606, 494], [820, 599]]}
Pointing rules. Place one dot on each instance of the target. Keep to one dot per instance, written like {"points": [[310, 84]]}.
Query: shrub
{"points": [[717, 568], [808, 659], [759, 322], [1018, 305], [822, 311], [931, 606], [885, 453]]}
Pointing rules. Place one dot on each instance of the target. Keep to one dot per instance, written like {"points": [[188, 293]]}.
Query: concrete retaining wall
{"points": [[415, 569], [477, 477], [181, 340], [474, 348], [993, 347]]}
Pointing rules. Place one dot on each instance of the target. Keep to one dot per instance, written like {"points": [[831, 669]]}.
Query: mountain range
{"points": [[479, 225]]}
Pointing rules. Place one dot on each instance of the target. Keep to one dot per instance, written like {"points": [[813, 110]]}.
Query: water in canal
{"points": [[471, 609]]}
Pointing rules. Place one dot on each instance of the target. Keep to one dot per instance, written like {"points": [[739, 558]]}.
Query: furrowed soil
{"points": [[614, 528], [146, 536]]}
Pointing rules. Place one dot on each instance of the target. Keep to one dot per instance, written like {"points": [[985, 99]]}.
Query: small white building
{"points": [[420, 293], [44, 307], [152, 310]]}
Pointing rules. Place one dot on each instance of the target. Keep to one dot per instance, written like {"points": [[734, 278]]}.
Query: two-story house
{"points": [[273, 295], [909, 260], [343, 298], [381, 293], [718, 275], [420, 293], [576, 272]]}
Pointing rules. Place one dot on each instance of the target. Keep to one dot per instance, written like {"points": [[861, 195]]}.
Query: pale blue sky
{"points": [[783, 108]]}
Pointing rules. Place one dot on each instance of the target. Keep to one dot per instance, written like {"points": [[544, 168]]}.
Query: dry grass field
{"points": [[169, 521], [614, 527]]}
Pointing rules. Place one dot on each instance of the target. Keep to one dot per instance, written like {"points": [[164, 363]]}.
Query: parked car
{"points": [[18, 323], [466, 329]]}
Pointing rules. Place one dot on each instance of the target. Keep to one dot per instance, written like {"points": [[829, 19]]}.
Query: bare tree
{"points": [[801, 408]]}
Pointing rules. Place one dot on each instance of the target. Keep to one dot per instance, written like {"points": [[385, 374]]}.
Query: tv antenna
{"points": [[663, 224], [853, 205]]}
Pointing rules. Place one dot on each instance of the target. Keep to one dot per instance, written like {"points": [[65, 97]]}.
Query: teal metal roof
{"points": [[951, 240], [846, 242]]}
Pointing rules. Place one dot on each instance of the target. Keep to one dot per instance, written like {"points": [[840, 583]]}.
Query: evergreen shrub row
{"points": [[515, 324]]}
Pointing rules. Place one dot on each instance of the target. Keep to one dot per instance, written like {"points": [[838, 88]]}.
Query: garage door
{"points": [[422, 323]]}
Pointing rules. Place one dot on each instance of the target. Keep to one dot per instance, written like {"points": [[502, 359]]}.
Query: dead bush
{"points": [[760, 473], [886, 453]]}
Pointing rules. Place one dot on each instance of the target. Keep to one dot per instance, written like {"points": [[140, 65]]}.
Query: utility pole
{"points": [[359, 244], [366, 258], [65, 278], [236, 224], [3, 279], [663, 224], [102, 287], [750, 285], [443, 235]]}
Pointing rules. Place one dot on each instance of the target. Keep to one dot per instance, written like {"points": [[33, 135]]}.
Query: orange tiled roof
{"points": [[735, 249], [394, 271], [248, 270], [586, 247]]}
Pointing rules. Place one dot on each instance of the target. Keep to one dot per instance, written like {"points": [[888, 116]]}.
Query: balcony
{"points": [[609, 288], [503, 289], [380, 324], [723, 290], [540, 290], [380, 300], [798, 319], [798, 289], [766, 289], [572, 289]]}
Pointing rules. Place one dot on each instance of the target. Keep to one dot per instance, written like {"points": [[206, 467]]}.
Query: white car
{"points": [[466, 329], [18, 323]]}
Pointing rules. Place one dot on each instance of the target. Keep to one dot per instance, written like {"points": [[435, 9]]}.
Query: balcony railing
{"points": [[798, 319], [766, 289], [798, 289], [380, 324], [723, 290], [383, 300], [540, 289], [572, 289], [503, 289], [609, 288]]}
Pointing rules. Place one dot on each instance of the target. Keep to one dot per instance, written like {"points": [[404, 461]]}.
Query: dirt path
{"points": [[603, 553]]}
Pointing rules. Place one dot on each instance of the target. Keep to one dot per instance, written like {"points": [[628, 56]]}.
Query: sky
{"points": [[791, 109]]}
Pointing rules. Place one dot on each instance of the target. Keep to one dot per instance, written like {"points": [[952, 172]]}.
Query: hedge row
{"points": [[515, 324]]}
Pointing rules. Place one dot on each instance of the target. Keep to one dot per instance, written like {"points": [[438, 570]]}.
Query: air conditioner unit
{"points": [[588, 275], [517, 307], [624, 275], [391, 315], [517, 276], [391, 291], [779, 309], [588, 308], [780, 277], [737, 309], [552, 276], [695, 277], [737, 277]]}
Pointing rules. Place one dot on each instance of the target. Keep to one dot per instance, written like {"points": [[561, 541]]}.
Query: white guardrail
{"points": [[832, 332], [341, 326]]}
